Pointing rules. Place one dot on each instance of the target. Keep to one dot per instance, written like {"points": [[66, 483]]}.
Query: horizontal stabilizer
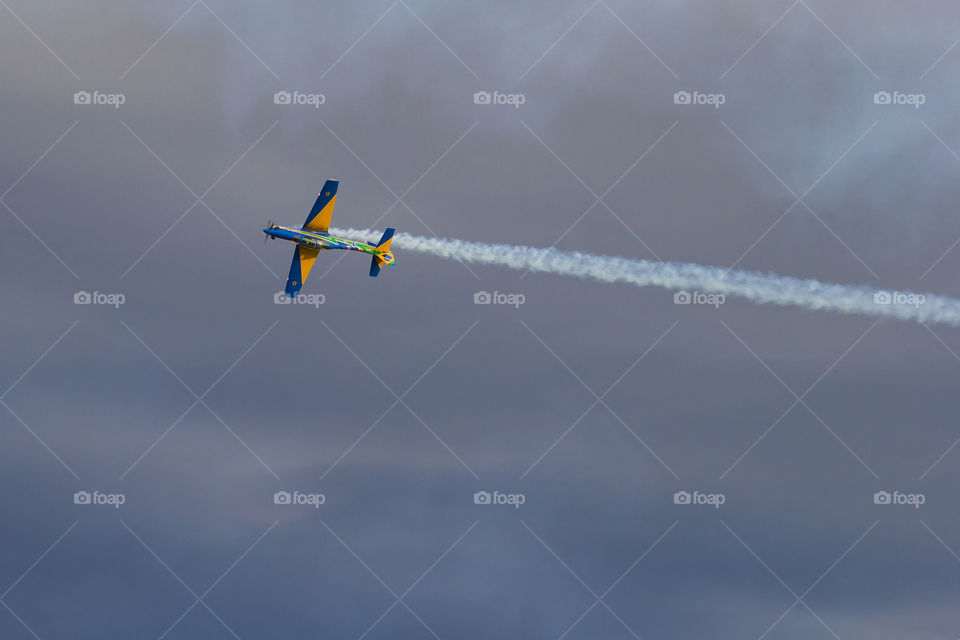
{"points": [[385, 240], [375, 263]]}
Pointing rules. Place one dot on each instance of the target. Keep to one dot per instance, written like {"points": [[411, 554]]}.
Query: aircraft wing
{"points": [[303, 258], [322, 211]]}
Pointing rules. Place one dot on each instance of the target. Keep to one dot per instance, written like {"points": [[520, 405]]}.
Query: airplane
{"points": [[313, 237]]}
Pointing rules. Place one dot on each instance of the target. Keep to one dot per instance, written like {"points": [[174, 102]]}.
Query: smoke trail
{"points": [[757, 287]]}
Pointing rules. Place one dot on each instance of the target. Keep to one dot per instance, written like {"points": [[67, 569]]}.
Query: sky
{"points": [[185, 456]]}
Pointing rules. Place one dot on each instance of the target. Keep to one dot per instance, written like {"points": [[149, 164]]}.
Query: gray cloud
{"points": [[398, 497]]}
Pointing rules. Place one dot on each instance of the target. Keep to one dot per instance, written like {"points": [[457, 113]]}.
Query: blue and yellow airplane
{"points": [[313, 238]]}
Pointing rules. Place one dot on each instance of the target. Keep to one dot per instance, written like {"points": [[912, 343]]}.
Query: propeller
{"points": [[269, 226]]}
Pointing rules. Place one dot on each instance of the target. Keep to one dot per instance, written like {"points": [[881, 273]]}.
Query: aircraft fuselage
{"points": [[323, 240]]}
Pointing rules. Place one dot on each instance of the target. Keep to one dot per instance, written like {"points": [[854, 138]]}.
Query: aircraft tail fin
{"points": [[383, 255]]}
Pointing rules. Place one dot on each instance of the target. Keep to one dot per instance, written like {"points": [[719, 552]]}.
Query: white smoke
{"points": [[757, 287]]}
